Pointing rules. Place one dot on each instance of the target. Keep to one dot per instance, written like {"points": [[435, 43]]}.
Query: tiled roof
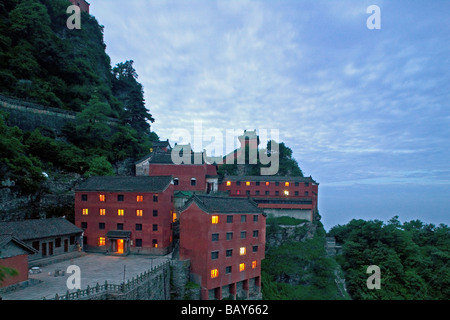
{"points": [[118, 234], [6, 238], [38, 228], [214, 204], [126, 183]]}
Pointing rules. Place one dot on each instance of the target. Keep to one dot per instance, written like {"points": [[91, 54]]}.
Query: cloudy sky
{"points": [[365, 111]]}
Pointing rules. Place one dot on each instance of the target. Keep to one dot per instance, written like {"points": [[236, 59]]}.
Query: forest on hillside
{"points": [[44, 62]]}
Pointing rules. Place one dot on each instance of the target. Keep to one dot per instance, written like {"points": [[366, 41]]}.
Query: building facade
{"points": [[83, 4], [224, 239], [121, 215]]}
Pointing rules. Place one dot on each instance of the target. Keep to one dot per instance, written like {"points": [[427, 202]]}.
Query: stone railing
{"points": [[118, 289]]}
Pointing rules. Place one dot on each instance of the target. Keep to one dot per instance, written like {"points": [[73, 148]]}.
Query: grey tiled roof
{"points": [[38, 228], [126, 183], [6, 238], [228, 205], [120, 234]]}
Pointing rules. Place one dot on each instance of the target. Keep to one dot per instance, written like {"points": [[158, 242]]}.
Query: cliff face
{"points": [[297, 265]]}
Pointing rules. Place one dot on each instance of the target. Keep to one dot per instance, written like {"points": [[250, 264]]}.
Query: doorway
{"points": [[120, 246]]}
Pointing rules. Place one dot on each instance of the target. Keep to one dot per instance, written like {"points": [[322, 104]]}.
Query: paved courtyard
{"points": [[94, 268]]}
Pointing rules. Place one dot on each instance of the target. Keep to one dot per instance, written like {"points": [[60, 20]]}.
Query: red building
{"points": [[224, 239], [84, 5], [126, 214], [278, 195], [194, 174]]}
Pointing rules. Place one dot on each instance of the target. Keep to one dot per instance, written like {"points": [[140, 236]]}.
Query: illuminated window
{"points": [[238, 192], [242, 251], [101, 241], [102, 212], [247, 183], [267, 183], [228, 183], [254, 264], [139, 213], [139, 198], [286, 184], [241, 267], [174, 216], [215, 219], [154, 243], [286, 193], [85, 212], [214, 273], [120, 212], [102, 197]]}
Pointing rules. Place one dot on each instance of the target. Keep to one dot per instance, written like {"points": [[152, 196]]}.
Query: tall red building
{"points": [[224, 238], [126, 214]]}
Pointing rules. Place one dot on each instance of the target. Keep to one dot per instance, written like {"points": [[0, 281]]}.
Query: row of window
{"points": [[229, 235], [267, 193], [229, 252], [101, 241], [120, 212], [215, 219], [266, 183], [102, 226], [176, 181], [229, 269], [120, 198]]}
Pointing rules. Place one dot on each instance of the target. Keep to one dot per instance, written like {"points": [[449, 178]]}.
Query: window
{"points": [[215, 237], [296, 193], [120, 197], [155, 227], [296, 184], [101, 225], [120, 226], [139, 213], [306, 184], [229, 235], [267, 183], [267, 192], [277, 183], [84, 197], [257, 183], [243, 234], [120, 212], [255, 233], [57, 242], [228, 269], [247, 183], [255, 248], [214, 219], [238, 192], [139, 198], [174, 216], [277, 193], [102, 198], [214, 255], [85, 212], [155, 213], [229, 253], [243, 218], [247, 192], [36, 245], [286, 192], [255, 218], [253, 264], [72, 240], [286, 184], [102, 212], [214, 273], [238, 183], [242, 251], [228, 183], [155, 198], [229, 219], [138, 227], [154, 243], [242, 267], [138, 242], [101, 241], [306, 193], [257, 192], [176, 181], [84, 225], [193, 182]]}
